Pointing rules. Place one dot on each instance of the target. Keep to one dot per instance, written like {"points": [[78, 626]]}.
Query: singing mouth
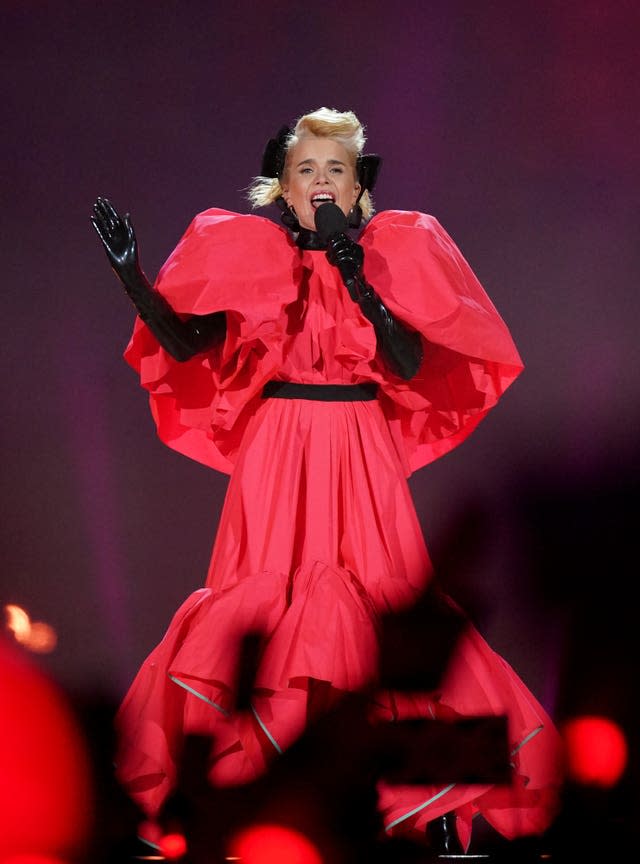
{"points": [[322, 198]]}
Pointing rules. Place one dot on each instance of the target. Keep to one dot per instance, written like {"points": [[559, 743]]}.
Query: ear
{"points": [[356, 192]]}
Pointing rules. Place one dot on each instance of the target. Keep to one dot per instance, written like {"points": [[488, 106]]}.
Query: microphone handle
{"points": [[349, 271]]}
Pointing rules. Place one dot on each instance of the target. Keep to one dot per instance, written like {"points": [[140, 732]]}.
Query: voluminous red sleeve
{"points": [[470, 358], [246, 267]]}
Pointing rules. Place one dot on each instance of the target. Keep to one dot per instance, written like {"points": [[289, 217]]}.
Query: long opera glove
{"points": [[401, 347], [181, 338]]}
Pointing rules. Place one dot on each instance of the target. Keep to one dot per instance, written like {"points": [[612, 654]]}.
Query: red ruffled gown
{"points": [[318, 534]]}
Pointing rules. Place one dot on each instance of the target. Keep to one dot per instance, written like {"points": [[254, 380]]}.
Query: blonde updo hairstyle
{"points": [[342, 126]]}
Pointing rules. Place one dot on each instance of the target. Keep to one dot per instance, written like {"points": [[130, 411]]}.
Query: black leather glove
{"points": [[348, 256], [182, 339], [401, 348]]}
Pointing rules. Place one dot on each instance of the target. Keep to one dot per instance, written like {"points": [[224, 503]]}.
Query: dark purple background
{"points": [[516, 125]]}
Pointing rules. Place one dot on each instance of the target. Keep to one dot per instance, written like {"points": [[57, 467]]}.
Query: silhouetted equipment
{"points": [[417, 643], [248, 662], [468, 750]]}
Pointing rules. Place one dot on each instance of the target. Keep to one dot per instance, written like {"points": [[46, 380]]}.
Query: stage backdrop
{"points": [[515, 125]]}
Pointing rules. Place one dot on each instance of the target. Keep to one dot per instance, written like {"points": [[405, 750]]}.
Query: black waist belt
{"points": [[320, 392]]}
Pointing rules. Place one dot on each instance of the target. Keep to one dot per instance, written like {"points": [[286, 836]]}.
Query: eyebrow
{"points": [[329, 161]]}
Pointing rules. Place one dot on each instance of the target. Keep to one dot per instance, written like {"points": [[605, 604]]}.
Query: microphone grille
{"points": [[330, 220]]}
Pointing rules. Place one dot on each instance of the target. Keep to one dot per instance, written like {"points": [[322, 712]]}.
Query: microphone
{"points": [[330, 220]]}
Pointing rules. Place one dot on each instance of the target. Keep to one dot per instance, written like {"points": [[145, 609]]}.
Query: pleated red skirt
{"points": [[318, 538]]}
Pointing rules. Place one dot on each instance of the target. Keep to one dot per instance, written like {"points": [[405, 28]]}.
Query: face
{"points": [[319, 170]]}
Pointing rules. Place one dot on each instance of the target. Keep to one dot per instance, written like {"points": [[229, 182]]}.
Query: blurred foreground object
{"points": [[596, 750], [273, 844], [46, 792], [37, 636]]}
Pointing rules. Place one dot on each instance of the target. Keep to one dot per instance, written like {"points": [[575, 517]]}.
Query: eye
{"points": [[337, 169], [306, 170]]}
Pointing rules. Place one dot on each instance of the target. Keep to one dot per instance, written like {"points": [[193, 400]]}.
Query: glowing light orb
{"points": [[45, 787], [37, 636], [173, 846], [596, 750], [273, 844]]}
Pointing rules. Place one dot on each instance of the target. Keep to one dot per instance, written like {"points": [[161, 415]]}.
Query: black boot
{"points": [[443, 836]]}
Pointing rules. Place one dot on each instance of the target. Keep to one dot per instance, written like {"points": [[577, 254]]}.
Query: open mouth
{"points": [[322, 198]]}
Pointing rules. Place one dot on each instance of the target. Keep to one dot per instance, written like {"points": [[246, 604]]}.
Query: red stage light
{"points": [[596, 750], [45, 790], [273, 844], [173, 846]]}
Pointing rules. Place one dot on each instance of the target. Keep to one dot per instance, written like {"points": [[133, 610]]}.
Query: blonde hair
{"points": [[342, 126]]}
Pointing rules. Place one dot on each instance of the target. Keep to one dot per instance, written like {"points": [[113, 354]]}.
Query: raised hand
{"points": [[182, 339], [118, 238]]}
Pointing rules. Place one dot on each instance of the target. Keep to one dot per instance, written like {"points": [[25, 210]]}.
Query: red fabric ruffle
{"points": [[479, 682], [470, 358], [249, 268]]}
